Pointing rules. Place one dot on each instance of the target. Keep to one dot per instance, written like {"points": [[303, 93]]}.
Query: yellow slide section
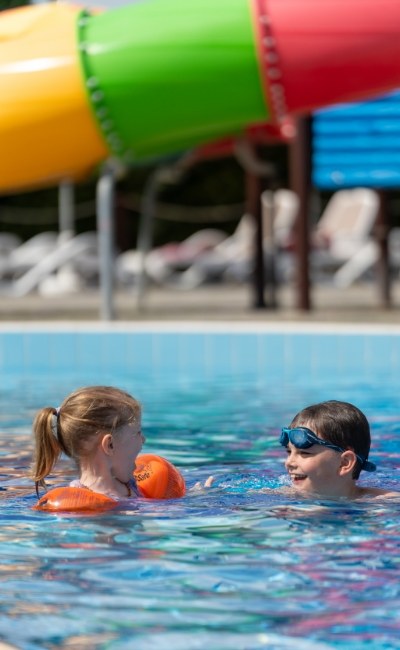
{"points": [[43, 99]]}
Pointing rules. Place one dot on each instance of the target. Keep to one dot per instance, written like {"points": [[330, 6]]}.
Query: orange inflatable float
{"points": [[74, 499], [155, 476]]}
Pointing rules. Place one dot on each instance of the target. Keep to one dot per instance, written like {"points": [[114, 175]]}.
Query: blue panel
{"points": [[271, 355], [88, 352], [139, 351], [386, 105], [165, 354], [37, 351], [357, 144], [365, 125], [113, 350], [245, 353], [62, 350], [340, 178], [351, 159], [194, 355], [220, 355], [12, 356], [324, 354], [297, 354]]}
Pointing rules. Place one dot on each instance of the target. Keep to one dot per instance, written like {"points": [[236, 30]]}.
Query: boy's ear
{"points": [[348, 461], [107, 444]]}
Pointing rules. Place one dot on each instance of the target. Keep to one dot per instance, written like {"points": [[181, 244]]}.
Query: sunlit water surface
{"points": [[232, 567]]}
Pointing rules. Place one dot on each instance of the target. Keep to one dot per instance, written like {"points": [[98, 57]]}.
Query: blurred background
{"points": [[210, 191]]}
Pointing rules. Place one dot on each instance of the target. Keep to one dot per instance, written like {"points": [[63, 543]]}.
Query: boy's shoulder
{"points": [[378, 492]]}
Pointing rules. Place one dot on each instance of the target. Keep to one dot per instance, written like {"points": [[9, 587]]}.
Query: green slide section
{"points": [[165, 76]]}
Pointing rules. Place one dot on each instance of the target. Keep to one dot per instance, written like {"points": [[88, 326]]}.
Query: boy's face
{"points": [[315, 470]]}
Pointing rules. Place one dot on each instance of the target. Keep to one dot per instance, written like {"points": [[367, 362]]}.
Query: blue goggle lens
{"points": [[300, 437]]}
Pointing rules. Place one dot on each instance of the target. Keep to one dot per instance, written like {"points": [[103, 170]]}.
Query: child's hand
{"points": [[207, 484]]}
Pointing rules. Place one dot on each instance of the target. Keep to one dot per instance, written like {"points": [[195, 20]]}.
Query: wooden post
{"points": [[253, 206], [381, 233], [300, 181]]}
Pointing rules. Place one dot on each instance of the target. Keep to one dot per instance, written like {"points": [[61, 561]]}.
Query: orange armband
{"points": [[74, 499], [157, 478]]}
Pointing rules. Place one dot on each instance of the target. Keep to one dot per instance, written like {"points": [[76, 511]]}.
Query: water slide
{"points": [[157, 77]]}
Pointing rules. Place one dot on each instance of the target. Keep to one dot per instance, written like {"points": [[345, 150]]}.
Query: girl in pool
{"points": [[100, 428], [328, 446]]}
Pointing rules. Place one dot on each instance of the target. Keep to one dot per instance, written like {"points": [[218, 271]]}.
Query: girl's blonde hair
{"points": [[72, 427]]}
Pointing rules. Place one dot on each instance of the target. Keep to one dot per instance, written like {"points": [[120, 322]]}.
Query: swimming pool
{"points": [[230, 568]]}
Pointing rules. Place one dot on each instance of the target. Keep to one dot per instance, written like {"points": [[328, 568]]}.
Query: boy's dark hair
{"points": [[339, 423]]}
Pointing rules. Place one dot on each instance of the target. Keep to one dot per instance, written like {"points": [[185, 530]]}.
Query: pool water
{"points": [[231, 567]]}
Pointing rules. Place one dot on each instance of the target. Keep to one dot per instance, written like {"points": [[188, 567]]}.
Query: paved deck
{"points": [[358, 304]]}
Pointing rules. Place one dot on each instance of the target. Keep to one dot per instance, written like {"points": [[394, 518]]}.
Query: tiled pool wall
{"points": [[208, 350]]}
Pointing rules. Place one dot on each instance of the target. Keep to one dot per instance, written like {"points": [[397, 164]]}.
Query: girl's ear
{"points": [[348, 461], [107, 444]]}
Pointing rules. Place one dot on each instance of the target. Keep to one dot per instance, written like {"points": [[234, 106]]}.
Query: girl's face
{"points": [[315, 470], [128, 443]]}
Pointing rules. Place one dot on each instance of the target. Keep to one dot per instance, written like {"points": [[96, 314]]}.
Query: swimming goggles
{"points": [[304, 438]]}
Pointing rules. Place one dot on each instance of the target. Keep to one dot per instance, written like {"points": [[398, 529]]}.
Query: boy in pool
{"points": [[100, 428], [328, 446]]}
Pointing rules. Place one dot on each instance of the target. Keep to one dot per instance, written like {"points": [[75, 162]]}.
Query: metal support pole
{"points": [[65, 277], [105, 197], [145, 232], [170, 174]]}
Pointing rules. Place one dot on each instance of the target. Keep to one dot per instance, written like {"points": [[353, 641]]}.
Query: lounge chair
{"points": [[280, 210], [211, 265], [37, 266], [211, 255], [164, 261], [8, 243], [342, 243], [22, 257], [367, 257]]}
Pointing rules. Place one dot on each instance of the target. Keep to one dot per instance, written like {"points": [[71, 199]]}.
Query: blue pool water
{"points": [[233, 567]]}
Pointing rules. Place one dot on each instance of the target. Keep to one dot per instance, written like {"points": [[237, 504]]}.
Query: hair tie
{"points": [[57, 430], [56, 422]]}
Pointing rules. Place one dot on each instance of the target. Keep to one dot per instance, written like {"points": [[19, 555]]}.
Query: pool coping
{"points": [[202, 326]]}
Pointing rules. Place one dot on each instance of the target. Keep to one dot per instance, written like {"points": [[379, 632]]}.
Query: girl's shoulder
{"points": [[76, 484], [131, 485]]}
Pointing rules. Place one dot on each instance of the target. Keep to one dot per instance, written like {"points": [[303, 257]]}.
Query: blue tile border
{"points": [[208, 350]]}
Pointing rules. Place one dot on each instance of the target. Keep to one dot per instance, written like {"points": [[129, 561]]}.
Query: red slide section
{"points": [[324, 51]]}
